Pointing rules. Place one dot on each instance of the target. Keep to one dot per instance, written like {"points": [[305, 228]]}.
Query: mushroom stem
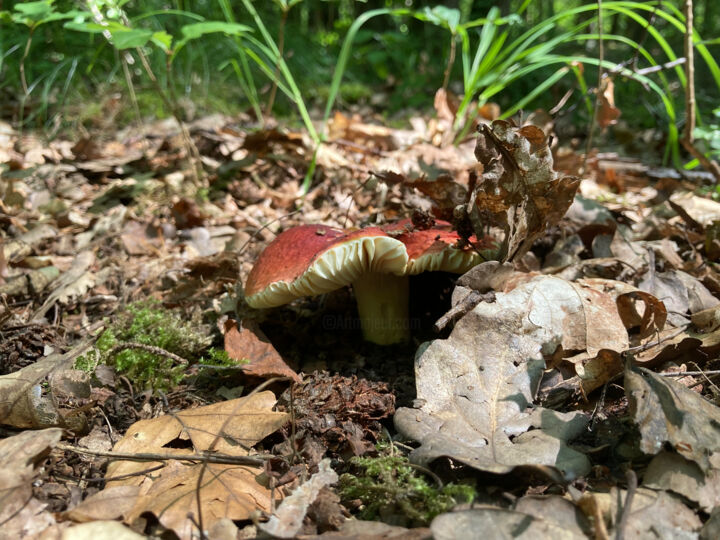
{"points": [[382, 301]]}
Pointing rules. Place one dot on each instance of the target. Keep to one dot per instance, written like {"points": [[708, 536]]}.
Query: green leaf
{"points": [[163, 40], [123, 37], [197, 30], [441, 16], [131, 38], [35, 11]]}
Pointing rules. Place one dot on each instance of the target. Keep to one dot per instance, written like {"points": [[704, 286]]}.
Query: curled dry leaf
{"points": [[608, 114], [653, 317], [519, 191]]}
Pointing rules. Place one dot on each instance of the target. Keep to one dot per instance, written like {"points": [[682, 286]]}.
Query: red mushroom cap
{"points": [[315, 259], [434, 249]]}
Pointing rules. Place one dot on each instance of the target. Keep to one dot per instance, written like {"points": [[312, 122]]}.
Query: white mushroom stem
{"points": [[382, 301]]}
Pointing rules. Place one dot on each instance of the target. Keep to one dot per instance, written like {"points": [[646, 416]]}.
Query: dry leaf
{"points": [[287, 520], [20, 513], [114, 502], [668, 412], [227, 491], [608, 114], [251, 346], [519, 191], [499, 523], [669, 471], [477, 408]]}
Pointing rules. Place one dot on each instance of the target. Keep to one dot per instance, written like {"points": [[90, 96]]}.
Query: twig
{"points": [[147, 348], [262, 228], [709, 164], [631, 478], [109, 478], [468, 303], [689, 73], [222, 459], [688, 373], [660, 67], [650, 344]]}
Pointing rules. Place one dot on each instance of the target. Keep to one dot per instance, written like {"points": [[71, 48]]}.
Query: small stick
{"points": [[688, 373], [147, 348], [630, 493], [223, 459], [689, 73], [468, 303]]}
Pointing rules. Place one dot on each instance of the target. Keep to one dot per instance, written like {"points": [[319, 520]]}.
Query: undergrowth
{"points": [[147, 323], [389, 487]]}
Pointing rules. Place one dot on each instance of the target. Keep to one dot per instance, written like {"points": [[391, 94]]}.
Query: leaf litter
{"points": [[588, 351]]}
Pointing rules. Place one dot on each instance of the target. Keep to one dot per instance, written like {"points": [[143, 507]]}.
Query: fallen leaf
{"points": [[287, 520], [21, 514], [668, 412], [672, 472], [711, 529], [224, 491], [252, 347], [558, 509], [498, 523], [100, 530], [73, 283], [23, 404], [651, 319], [607, 114], [478, 408], [519, 191], [114, 502], [652, 514], [227, 491]]}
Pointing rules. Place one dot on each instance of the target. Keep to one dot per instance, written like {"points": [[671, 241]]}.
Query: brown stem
{"points": [[689, 72]]}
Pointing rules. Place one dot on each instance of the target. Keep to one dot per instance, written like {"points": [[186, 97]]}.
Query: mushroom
{"points": [[315, 259]]}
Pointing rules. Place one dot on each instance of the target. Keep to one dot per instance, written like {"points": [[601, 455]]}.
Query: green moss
{"points": [[150, 324], [389, 486]]}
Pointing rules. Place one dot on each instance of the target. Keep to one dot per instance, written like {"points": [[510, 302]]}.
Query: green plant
{"points": [[111, 21], [388, 485], [33, 15], [708, 137], [147, 323]]}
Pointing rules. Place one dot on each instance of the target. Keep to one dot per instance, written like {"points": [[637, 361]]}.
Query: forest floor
{"points": [[576, 397]]}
